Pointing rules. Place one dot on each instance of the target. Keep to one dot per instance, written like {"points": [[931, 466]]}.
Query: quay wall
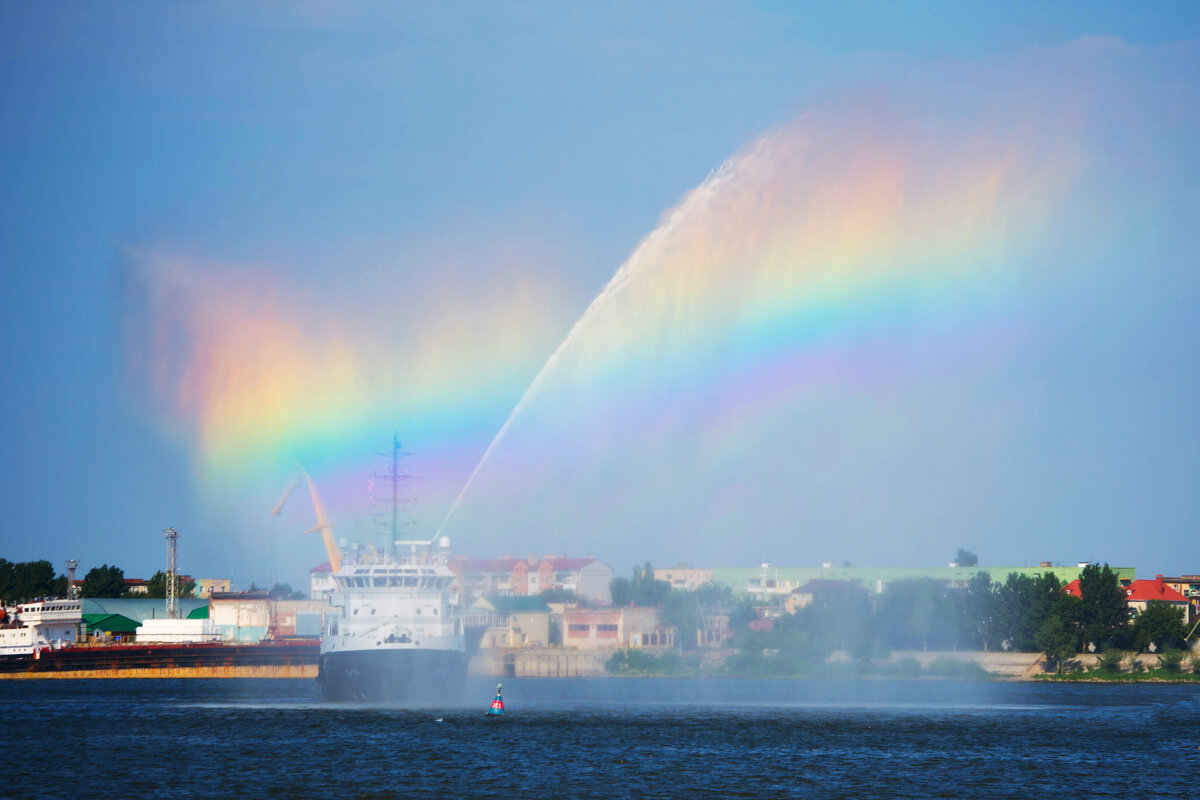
{"points": [[550, 663]]}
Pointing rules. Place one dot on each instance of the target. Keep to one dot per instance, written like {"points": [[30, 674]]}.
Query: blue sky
{"points": [[320, 139]]}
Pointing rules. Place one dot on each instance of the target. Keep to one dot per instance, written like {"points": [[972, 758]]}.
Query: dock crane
{"points": [[322, 526]]}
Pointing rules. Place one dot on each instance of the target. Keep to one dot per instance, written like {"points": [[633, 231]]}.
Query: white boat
{"points": [[30, 628], [394, 630]]}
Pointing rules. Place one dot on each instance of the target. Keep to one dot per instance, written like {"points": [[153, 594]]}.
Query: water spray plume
{"points": [[834, 229]]}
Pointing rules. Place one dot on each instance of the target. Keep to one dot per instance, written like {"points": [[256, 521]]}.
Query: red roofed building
{"points": [[519, 577], [1073, 589], [1139, 593]]}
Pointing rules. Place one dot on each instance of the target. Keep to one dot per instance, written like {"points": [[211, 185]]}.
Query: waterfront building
{"points": [[510, 621], [110, 627], [206, 586], [802, 596], [684, 577], [254, 616], [1189, 587], [135, 586], [1139, 593], [611, 628], [587, 578], [241, 616]]}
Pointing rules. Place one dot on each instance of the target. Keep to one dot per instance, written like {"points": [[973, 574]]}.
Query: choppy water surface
{"points": [[603, 738]]}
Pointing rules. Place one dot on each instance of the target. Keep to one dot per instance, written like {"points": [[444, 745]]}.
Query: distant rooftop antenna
{"points": [[171, 535], [72, 564]]}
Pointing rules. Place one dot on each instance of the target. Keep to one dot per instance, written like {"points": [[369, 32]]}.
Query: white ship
{"points": [[27, 629], [394, 632]]}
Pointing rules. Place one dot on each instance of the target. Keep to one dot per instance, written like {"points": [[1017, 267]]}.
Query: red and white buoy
{"points": [[497, 707]]}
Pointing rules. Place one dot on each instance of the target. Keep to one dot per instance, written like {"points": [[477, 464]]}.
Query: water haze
{"points": [[605, 738]]}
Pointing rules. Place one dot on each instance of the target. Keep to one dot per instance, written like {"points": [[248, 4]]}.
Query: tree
{"points": [[26, 580], [979, 608], [681, 611], [620, 590], [647, 591], [965, 558], [918, 615], [283, 591], [1104, 614], [104, 581], [554, 595], [1058, 639], [841, 619], [1160, 624], [1021, 607], [156, 587]]}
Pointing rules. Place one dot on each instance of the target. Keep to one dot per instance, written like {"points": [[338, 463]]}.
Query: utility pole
{"points": [[72, 564], [171, 535]]}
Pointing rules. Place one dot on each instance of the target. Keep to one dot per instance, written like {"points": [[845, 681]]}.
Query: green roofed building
{"points": [[114, 625], [768, 582]]}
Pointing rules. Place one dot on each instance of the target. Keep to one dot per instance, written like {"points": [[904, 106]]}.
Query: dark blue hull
{"points": [[405, 677]]}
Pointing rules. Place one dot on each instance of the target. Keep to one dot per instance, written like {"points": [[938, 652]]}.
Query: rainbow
{"points": [[796, 316]]}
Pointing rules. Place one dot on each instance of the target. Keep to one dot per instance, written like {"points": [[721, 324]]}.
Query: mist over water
{"points": [[610, 738]]}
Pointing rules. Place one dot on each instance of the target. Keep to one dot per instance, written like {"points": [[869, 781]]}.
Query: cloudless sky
{"points": [[312, 134]]}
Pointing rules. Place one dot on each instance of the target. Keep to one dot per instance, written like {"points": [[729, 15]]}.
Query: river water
{"points": [[603, 738]]}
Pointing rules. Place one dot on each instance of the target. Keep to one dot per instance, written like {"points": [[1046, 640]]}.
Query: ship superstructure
{"points": [[28, 629], [393, 631]]}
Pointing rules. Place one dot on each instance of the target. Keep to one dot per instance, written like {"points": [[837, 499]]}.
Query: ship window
{"points": [[381, 581], [356, 612], [418, 611]]}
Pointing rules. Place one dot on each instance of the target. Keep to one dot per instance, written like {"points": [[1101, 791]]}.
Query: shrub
{"points": [[1196, 664], [1136, 665], [1169, 660], [1110, 661]]}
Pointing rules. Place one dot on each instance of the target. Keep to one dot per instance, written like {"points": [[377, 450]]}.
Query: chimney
{"points": [[1158, 583]]}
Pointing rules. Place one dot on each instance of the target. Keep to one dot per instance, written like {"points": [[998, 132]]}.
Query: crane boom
{"points": [[323, 526]]}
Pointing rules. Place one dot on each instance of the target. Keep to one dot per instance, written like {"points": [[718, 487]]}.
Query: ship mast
{"points": [[397, 479]]}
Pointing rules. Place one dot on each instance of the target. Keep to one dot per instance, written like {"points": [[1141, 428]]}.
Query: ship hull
{"points": [[411, 676]]}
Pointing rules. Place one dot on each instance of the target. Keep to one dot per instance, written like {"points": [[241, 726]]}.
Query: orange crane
{"points": [[323, 526]]}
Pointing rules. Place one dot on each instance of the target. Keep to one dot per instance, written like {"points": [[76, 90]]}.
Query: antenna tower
{"points": [[72, 564], [171, 535], [397, 479]]}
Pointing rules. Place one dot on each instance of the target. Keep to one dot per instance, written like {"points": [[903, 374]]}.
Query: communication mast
{"points": [[72, 564], [398, 480], [171, 535]]}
